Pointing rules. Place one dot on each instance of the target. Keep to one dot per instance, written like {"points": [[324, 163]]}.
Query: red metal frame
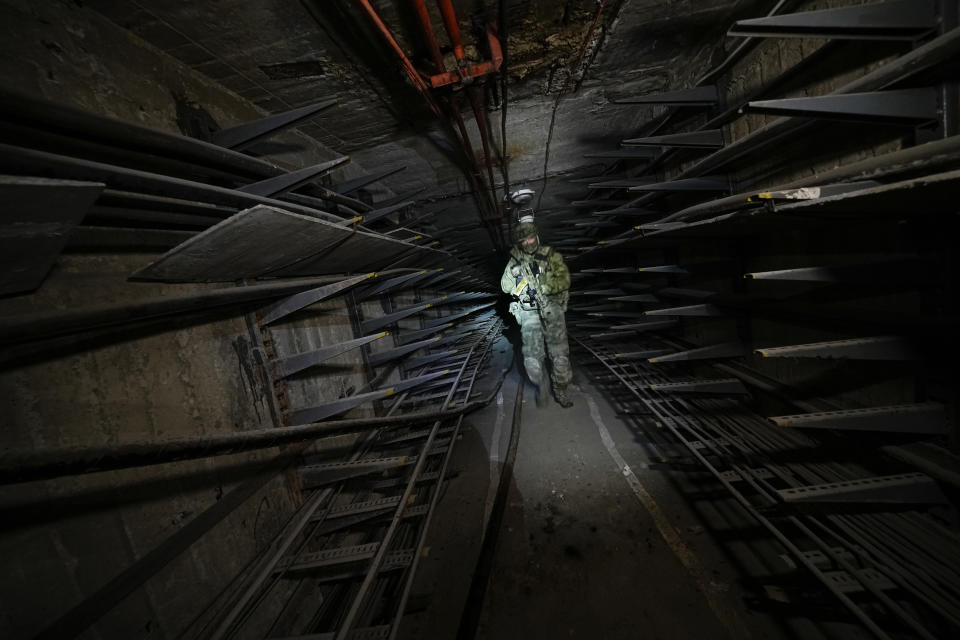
{"points": [[469, 72], [464, 74]]}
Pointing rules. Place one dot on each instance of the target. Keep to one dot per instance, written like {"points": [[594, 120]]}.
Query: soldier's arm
{"points": [[508, 280], [558, 276]]}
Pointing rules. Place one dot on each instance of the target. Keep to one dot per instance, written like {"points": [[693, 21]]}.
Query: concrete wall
{"points": [[62, 540]]}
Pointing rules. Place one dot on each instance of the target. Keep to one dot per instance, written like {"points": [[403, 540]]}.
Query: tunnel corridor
{"points": [[259, 379]]}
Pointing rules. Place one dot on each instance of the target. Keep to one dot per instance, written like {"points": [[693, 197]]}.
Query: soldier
{"points": [[539, 282]]}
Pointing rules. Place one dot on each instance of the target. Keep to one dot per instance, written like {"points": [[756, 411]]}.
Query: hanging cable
{"points": [[563, 90], [504, 79]]}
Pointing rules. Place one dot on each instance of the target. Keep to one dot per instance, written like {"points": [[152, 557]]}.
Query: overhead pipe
{"points": [[488, 207], [16, 467], [453, 32], [421, 7], [49, 324], [412, 74], [450, 22]]}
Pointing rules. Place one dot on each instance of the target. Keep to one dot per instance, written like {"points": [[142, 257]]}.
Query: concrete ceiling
{"points": [[568, 60]]}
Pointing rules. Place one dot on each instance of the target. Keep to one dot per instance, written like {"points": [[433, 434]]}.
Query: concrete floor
{"points": [[597, 540]]}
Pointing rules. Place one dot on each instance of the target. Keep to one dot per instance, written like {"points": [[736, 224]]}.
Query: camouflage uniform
{"points": [[541, 281]]}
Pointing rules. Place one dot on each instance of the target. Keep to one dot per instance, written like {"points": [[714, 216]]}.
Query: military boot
{"points": [[562, 399]]}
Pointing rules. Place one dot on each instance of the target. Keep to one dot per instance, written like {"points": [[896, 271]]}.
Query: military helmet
{"points": [[524, 230]]}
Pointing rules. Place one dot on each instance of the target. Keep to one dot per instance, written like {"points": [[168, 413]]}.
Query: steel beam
{"points": [[376, 214], [638, 153], [388, 285], [813, 192], [597, 202], [725, 350], [373, 324], [407, 336], [382, 357], [455, 316], [598, 224], [875, 348], [248, 133], [316, 475], [725, 386], [289, 365], [600, 178], [621, 184], [890, 20], [613, 335], [698, 310], [40, 163], [39, 215], [595, 292], [921, 418], [639, 355], [904, 105], [909, 270], [387, 202], [637, 297], [939, 51], [272, 187], [344, 188], [35, 326], [703, 139], [304, 299], [664, 268], [420, 361], [319, 412], [706, 183], [630, 212], [906, 488]]}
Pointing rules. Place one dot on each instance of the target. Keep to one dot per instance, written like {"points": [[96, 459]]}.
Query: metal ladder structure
{"points": [[893, 565], [352, 548]]}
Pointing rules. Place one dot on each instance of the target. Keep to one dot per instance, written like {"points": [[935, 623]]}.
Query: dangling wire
{"points": [[504, 79], [563, 90]]}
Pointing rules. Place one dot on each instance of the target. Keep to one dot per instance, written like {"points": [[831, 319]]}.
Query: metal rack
{"points": [[358, 535], [890, 562], [740, 286]]}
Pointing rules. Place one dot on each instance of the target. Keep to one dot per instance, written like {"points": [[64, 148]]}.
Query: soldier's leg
{"points": [[558, 350], [533, 349]]}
